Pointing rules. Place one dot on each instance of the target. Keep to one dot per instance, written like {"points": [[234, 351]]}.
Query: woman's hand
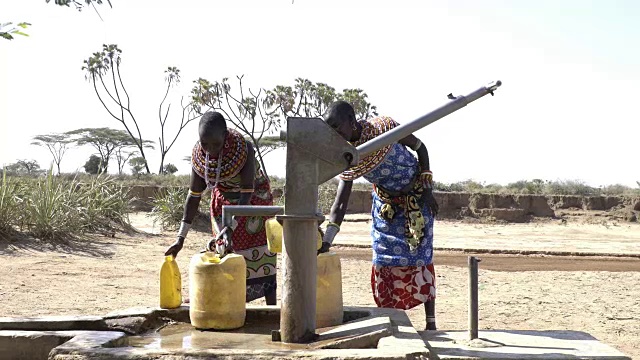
{"points": [[431, 202], [175, 248]]}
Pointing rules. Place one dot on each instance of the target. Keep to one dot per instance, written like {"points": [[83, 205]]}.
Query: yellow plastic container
{"points": [[329, 308], [217, 290], [274, 236], [170, 284]]}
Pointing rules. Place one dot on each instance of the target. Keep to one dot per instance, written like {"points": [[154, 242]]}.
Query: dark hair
{"points": [[212, 122], [340, 111]]}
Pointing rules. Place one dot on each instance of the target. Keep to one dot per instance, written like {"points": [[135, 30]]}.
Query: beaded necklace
{"points": [[206, 170]]}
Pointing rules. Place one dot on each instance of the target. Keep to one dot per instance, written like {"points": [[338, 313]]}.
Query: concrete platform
{"points": [[519, 344], [368, 333]]}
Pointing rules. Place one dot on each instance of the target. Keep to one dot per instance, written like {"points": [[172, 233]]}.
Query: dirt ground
{"points": [[597, 295]]}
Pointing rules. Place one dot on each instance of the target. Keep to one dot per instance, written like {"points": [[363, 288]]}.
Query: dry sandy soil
{"points": [[600, 296]]}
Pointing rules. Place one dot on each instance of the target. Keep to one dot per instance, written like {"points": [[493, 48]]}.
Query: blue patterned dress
{"points": [[401, 277]]}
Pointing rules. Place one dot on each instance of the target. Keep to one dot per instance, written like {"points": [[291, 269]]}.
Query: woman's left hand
{"points": [[431, 202]]}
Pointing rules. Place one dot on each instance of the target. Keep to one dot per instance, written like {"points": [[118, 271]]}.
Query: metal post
{"points": [[409, 128], [299, 266], [473, 297], [315, 154]]}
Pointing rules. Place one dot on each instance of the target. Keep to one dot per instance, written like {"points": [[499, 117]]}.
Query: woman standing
{"points": [[403, 211], [224, 162]]}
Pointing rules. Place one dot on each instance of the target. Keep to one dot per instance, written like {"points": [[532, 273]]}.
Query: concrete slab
{"points": [[519, 344], [359, 334], [36, 345], [53, 323]]}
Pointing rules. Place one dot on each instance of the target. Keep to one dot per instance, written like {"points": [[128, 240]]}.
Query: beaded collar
{"points": [[371, 128], [223, 166]]}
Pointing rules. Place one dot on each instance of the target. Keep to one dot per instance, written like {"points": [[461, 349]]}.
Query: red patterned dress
{"points": [[402, 275], [249, 237]]}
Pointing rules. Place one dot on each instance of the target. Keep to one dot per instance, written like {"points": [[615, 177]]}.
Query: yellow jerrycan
{"points": [[329, 311], [217, 291], [274, 236], [170, 284]]}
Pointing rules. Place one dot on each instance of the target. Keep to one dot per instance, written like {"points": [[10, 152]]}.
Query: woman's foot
{"points": [[431, 325]]}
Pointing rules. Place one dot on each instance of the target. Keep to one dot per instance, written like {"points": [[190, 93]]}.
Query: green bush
{"points": [[103, 203], [537, 186], [52, 208], [141, 179], [10, 205], [168, 207], [326, 196]]}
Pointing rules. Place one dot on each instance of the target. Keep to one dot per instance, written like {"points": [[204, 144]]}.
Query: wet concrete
{"points": [[369, 333], [256, 334]]}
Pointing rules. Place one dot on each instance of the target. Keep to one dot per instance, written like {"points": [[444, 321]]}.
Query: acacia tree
{"points": [[126, 150], [172, 77], [247, 110], [137, 164], [122, 157], [308, 99], [57, 144], [7, 30], [268, 144], [23, 167], [259, 113], [80, 4], [169, 169], [104, 140], [103, 72]]}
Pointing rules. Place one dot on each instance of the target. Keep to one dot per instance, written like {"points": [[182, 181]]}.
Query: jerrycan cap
{"points": [[211, 257]]}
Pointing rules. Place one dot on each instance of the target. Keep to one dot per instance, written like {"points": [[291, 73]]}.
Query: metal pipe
{"points": [[299, 267], [315, 154], [473, 297], [228, 211], [409, 128]]}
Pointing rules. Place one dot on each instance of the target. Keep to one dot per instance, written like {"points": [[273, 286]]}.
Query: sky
{"points": [[570, 72]]}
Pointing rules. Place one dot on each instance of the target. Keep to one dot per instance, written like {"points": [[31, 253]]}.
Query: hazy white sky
{"points": [[570, 71]]}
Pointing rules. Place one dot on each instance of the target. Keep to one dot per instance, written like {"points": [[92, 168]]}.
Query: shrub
{"points": [[10, 204], [55, 207], [50, 212], [168, 207], [103, 203], [569, 187]]}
